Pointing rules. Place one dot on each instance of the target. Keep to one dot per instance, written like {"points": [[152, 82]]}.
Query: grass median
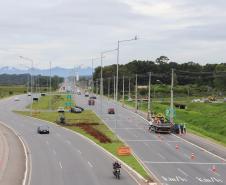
{"points": [[76, 122]]}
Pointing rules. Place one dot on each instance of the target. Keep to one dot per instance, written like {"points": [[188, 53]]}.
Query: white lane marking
{"points": [[79, 152], [178, 162], [146, 144], [54, 152], [60, 165], [182, 172], [168, 144], [90, 164], [160, 155]]}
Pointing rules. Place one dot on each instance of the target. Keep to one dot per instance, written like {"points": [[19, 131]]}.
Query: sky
{"points": [[70, 32]]}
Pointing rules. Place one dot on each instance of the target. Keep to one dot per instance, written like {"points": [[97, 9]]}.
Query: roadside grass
{"points": [[89, 116], [49, 101], [6, 91], [203, 119]]}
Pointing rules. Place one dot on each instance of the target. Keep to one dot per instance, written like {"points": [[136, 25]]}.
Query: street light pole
{"points": [[101, 75], [149, 97], [136, 103], [117, 67], [123, 91], [171, 99], [32, 65]]}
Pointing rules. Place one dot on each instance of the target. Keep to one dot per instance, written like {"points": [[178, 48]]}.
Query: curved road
{"points": [[62, 157], [158, 152]]}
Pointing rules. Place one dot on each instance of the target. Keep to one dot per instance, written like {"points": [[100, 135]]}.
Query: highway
{"points": [[62, 157], [171, 159]]}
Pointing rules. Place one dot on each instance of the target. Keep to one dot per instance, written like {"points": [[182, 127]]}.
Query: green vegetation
{"points": [[45, 102], [206, 119], [12, 90], [87, 117]]}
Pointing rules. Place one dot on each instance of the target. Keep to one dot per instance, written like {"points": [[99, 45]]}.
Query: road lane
{"points": [[147, 146], [62, 157]]}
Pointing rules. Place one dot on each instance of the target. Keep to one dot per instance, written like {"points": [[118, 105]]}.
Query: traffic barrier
{"points": [[192, 156], [124, 151]]}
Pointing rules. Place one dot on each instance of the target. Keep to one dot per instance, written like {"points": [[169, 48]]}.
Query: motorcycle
{"points": [[116, 173]]}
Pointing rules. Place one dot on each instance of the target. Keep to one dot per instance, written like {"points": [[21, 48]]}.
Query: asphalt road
{"points": [[158, 152], [62, 157]]}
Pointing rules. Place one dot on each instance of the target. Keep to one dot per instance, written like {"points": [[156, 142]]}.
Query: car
{"points": [[76, 110], [82, 109], [43, 130], [93, 97], [43, 94], [35, 98], [29, 94], [91, 102], [86, 94], [60, 109], [111, 111], [16, 99], [78, 93]]}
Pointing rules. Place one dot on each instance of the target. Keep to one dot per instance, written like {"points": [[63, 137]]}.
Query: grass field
{"points": [[206, 119], [12, 90], [54, 101], [89, 117]]}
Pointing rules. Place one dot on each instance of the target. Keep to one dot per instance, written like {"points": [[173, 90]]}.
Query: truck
{"points": [[158, 124]]}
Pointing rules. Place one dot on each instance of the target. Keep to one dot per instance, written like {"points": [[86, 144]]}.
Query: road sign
{"points": [[169, 111], [69, 97]]}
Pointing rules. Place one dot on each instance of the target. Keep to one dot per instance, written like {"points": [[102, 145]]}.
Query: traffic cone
{"points": [[177, 146], [214, 168], [192, 156]]}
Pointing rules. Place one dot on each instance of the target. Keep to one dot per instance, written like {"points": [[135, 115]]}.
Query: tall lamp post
{"points": [[117, 69], [32, 64], [101, 74]]}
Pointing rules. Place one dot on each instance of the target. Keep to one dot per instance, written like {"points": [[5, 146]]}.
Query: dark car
{"points": [[43, 130], [82, 109], [93, 97], [91, 102], [111, 111], [76, 110]]}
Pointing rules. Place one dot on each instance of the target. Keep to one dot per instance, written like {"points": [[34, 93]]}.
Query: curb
{"points": [[26, 181]]}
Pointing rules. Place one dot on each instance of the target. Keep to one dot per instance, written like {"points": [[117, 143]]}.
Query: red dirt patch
{"points": [[88, 128]]}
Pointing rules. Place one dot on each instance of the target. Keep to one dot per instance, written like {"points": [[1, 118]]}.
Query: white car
{"points": [[60, 109], [29, 94], [16, 99]]}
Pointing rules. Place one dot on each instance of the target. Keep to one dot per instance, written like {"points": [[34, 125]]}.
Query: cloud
{"points": [[69, 31]]}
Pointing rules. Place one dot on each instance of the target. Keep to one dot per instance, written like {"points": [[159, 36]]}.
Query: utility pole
{"points": [[123, 91], [97, 87], [149, 97], [50, 86], [136, 103], [171, 100], [129, 90], [92, 77], [114, 88], [108, 88]]}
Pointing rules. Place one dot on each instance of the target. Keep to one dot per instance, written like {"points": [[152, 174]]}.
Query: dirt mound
{"points": [[94, 132]]}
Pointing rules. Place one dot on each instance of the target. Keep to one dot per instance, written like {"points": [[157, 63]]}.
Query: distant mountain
{"points": [[63, 72]]}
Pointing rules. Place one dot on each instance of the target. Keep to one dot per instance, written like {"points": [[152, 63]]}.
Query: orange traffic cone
{"points": [[192, 156], [214, 168]]}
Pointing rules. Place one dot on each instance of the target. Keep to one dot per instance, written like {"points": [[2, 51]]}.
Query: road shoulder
{"points": [[12, 158]]}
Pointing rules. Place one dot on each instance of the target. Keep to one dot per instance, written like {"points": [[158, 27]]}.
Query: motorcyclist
{"points": [[116, 165]]}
